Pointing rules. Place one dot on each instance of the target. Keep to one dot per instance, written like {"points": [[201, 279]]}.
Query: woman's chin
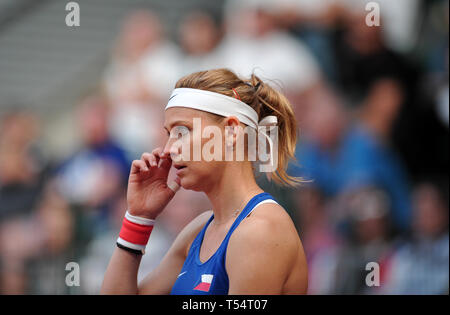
{"points": [[188, 184]]}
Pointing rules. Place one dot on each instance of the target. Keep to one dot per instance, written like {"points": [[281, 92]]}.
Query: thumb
{"points": [[175, 185]]}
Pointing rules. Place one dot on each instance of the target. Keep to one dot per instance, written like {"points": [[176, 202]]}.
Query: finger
{"points": [[138, 166], [158, 153], [165, 164], [149, 159], [175, 185], [164, 157]]}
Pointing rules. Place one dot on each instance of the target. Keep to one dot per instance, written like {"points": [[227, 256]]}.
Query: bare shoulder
{"points": [[190, 231], [269, 227], [267, 237], [268, 221]]}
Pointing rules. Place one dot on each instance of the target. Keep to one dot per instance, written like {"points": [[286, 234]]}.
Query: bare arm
{"points": [[121, 274], [147, 196], [263, 254]]}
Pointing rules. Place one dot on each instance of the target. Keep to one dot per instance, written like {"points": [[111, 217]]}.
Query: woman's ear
{"points": [[231, 121], [231, 130]]}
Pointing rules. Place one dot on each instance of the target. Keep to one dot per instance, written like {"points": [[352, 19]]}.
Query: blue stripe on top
{"points": [[210, 277]]}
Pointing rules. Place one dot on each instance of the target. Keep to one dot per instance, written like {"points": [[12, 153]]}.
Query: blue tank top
{"points": [[210, 277]]}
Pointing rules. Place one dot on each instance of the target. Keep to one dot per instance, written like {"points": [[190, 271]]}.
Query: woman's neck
{"points": [[232, 191]]}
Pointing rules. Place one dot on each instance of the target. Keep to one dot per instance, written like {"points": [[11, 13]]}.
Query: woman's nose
{"points": [[169, 149]]}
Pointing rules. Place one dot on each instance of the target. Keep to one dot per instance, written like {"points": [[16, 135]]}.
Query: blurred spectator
{"points": [[143, 71], [421, 265], [34, 262], [14, 255], [96, 173], [368, 214], [255, 43], [318, 13], [339, 157], [55, 224], [433, 43], [314, 23], [363, 58], [433, 114], [143, 67], [316, 230], [199, 36], [400, 20], [318, 238], [23, 169], [369, 155]]}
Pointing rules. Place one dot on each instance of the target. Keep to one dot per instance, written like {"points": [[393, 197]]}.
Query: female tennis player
{"points": [[248, 243]]}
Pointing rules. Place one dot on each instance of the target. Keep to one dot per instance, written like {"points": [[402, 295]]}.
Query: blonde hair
{"points": [[265, 100]]}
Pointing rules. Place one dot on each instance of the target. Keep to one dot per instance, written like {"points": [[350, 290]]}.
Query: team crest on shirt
{"points": [[205, 284]]}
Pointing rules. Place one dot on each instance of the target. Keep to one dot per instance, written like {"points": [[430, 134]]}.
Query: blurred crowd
{"points": [[373, 112]]}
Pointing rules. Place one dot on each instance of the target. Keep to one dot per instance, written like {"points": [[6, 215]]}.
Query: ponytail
{"points": [[272, 102], [265, 100]]}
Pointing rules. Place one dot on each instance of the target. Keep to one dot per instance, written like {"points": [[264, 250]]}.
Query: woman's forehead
{"points": [[175, 114]]}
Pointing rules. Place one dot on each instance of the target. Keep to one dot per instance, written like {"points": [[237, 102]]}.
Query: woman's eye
{"points": [[178, 131]]}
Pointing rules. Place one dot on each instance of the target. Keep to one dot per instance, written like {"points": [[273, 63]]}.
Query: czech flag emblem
{"points": [[205, 284]]}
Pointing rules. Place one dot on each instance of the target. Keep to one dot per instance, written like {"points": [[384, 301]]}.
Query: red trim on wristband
{"points": [[135, 233]]}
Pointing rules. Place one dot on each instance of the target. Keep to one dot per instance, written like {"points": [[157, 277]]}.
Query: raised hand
{"points": [[148, 191]]}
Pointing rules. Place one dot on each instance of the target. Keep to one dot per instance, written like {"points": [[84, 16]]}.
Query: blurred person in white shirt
{"points": [[400, 19], [254, 42], [143, 70]]}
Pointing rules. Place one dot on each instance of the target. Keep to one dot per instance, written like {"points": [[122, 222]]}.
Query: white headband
{"points": [[225, 106], [218, 104]]}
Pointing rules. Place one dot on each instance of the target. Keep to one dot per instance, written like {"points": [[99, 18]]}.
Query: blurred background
{"points": [[78, 104]]}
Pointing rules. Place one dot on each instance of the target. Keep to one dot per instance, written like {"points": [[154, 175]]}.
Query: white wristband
{"points": [[139, 220]]}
